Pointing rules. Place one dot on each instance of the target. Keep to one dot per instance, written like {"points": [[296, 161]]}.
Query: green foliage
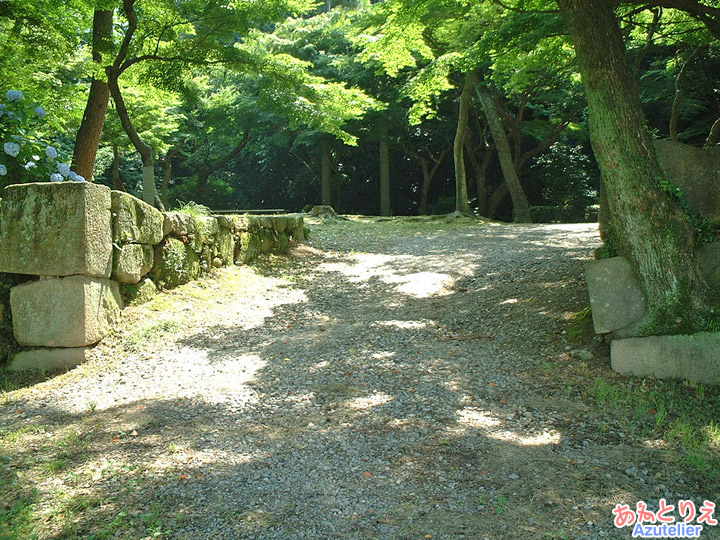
{"points": [[26, 155]]}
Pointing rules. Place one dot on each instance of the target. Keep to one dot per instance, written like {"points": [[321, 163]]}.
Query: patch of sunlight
{"points": [[404, 324], [320, 365], [509, 301], [424, 284], [369, 265], [367, 402], [384, 355], [470, 417]]}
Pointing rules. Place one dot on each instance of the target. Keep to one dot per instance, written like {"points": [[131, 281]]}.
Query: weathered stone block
{"points": [[267, 240], [709, 260], [48, 359], [178, 224], [132, 262], [283, 242], [226, 245], [226, 222], [139, 293], [694, 357], [696, 171], [249, 247], [323, 211], [207, 227], [73, 311], [175, 263], [616, 297], [56, 229], [135, 221]]}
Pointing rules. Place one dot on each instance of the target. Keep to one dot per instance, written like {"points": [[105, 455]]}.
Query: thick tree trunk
{"points": [[462, 205], [521, 209], [326, 174], [604, 217], [384, 174], [117, 180], [648, 224], [88, 135]]}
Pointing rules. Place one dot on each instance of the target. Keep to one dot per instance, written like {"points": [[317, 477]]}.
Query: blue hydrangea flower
{"points": [[11, 148], [30, 165], [39, 111], [64, 169], [14, 95], [72, 175], [51, 152], [3, 170], [56, 177], [80, 178]]}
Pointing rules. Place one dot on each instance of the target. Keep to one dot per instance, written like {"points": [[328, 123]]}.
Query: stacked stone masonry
{"points": [[73, 251]]}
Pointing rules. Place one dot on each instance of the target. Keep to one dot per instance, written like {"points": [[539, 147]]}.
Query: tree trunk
{"points": [[649, 226], [496, 199], [117, 180], [479, 173], [604, 217], [521, 209], [165, 189], [216, 165], [384, 174], [145, 151], [678, 96], [714, 135], [326, 175], [462, 206], [88, 135]]}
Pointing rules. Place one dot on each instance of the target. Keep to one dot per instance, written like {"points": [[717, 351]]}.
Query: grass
{"points": [[686, 415]]}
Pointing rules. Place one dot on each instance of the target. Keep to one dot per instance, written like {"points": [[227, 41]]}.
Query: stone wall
{"points": [[73, 253]]}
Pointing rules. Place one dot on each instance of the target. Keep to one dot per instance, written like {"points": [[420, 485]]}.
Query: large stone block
{"points": [[175, 263], [56, 229], [178, 224], [207, 228], [616, 297], [135, 221], [74, 311], [709, 260], [694, 357], [139, 293], [226, 245], [48, 359], [696, 171], [132, 262]]}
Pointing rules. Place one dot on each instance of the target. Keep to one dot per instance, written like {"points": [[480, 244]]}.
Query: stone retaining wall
{"points": [[72, 253]]}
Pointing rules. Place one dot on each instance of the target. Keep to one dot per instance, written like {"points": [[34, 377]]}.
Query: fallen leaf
{"points": [[184, 477], [493, 384], [503, 401], [114, 439], [20, 411], [367, 474]]}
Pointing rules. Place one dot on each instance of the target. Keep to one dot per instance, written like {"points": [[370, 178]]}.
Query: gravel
{"points": [[384, 386]]}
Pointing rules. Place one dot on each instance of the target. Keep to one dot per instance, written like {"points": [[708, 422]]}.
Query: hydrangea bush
{"points": [[25, 156]]}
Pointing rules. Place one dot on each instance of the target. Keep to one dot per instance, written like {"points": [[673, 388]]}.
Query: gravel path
{"points": [[395, 381]]}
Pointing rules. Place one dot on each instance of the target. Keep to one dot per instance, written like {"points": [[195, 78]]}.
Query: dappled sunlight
{"points": [[404, 324], [368, 402], [494, 428]]}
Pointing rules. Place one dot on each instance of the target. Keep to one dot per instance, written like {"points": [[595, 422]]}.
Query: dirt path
{"points": [[394, 381]]}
